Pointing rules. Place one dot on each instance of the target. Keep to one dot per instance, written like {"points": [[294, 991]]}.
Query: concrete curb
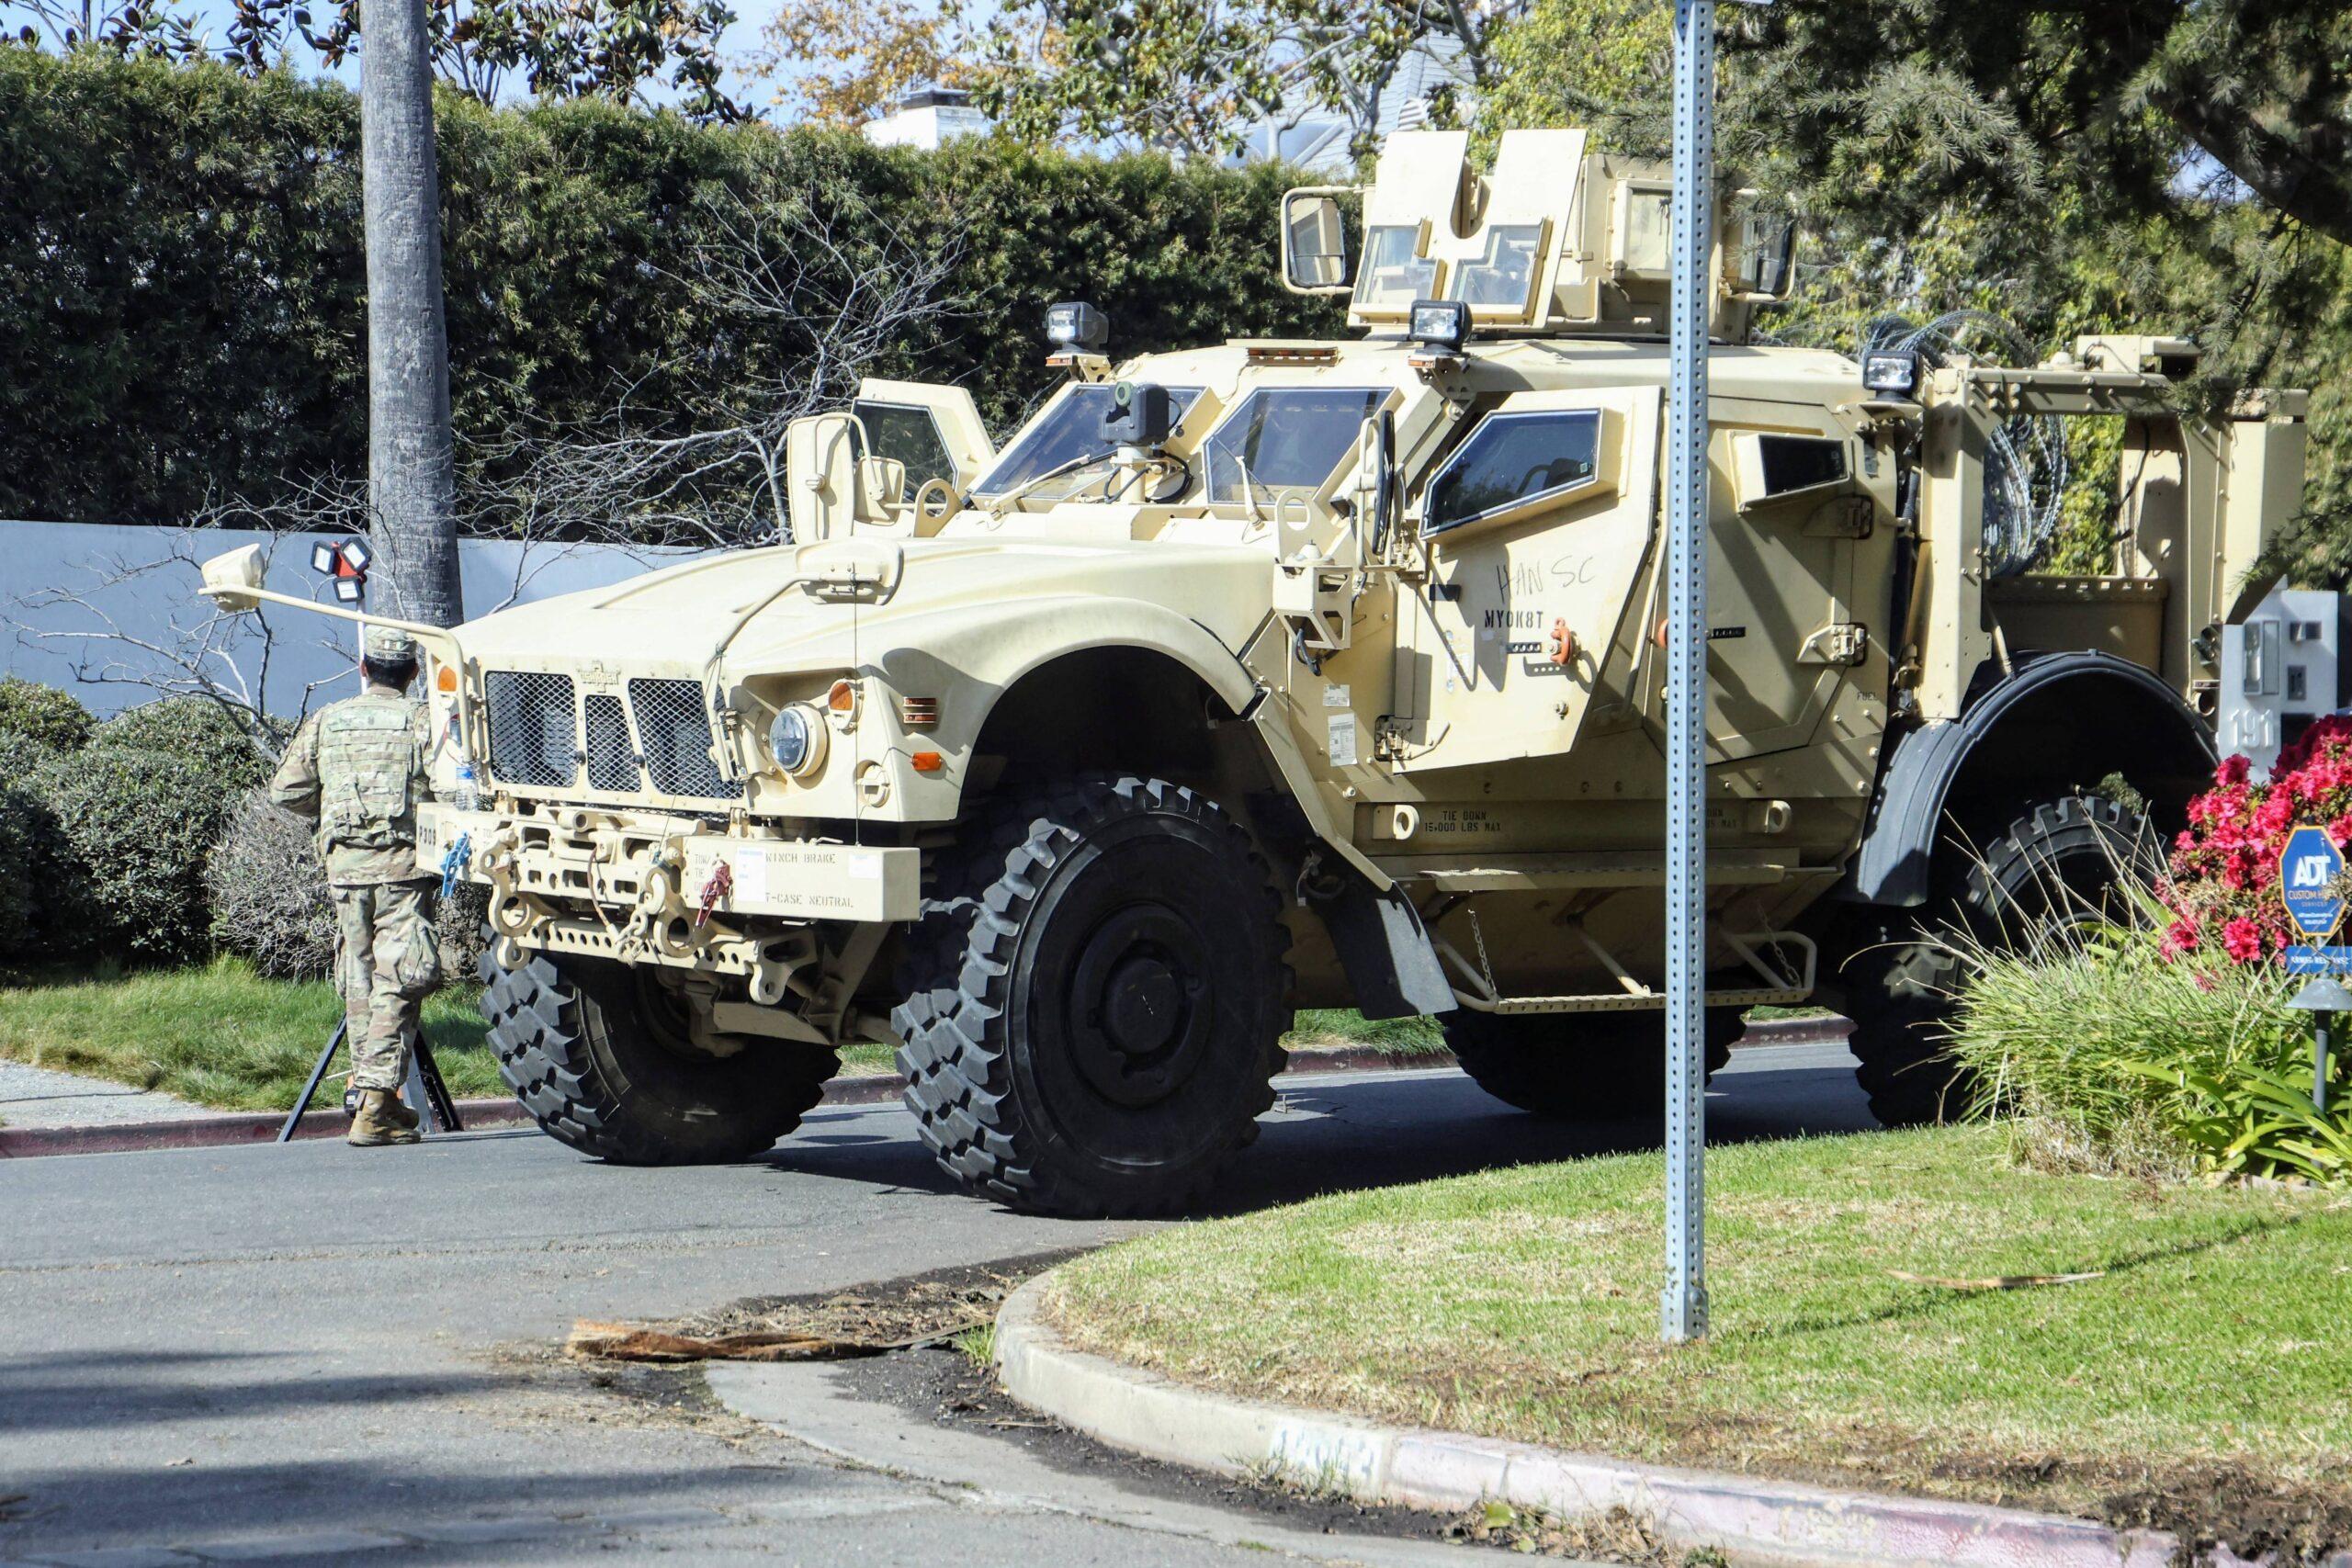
{"points": [[227, 1129], [1768, 1524]]}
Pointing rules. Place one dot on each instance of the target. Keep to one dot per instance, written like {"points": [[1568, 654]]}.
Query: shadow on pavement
{"points": [[1342, 1134]]}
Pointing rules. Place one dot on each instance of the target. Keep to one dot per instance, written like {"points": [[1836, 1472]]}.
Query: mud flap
{"points": [[1391, 967]]}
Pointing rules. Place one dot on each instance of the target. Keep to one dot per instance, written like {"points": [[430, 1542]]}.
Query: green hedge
{"points": [[181, 269]]}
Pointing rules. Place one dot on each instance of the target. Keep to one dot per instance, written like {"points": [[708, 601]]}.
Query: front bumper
{"points": [[645, 888]]}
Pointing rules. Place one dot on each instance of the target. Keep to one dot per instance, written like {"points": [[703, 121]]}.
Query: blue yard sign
{"points": [[2308, 867]]}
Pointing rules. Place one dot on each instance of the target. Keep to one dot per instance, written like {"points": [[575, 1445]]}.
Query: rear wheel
{"points": [[2061, 863], [1095, 1001], [602, 1058], [1597, 1064]]}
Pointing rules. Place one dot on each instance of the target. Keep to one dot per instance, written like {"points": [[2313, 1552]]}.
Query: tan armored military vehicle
{"points": [[1277, 674]]}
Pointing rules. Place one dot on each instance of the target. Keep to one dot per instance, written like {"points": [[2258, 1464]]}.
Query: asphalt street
{"points": [[312, 1352]]}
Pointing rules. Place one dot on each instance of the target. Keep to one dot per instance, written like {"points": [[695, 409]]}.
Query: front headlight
{"points": [[797, 740]]}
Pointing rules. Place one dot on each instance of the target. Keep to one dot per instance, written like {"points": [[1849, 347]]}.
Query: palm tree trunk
{"points": [[411, 463]]}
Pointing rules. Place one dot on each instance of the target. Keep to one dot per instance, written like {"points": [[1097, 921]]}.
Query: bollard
{"points": [[2322, 998]]}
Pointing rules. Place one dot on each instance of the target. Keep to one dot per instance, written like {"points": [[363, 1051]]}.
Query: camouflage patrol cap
{"points": [[387, 645]]}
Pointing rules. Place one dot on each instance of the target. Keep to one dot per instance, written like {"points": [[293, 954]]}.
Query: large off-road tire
{"points": [[1602, 1065], [1095, 1001], [2060, 861], [599, 1056]]}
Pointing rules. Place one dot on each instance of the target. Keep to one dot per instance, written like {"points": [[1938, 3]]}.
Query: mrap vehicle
{"points": [[1280, 674]]}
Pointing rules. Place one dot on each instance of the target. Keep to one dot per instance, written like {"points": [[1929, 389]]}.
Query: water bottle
{"points": [[467, 796]]}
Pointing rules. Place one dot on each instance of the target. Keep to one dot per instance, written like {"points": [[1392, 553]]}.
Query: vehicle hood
{"points": [[678, 616]]}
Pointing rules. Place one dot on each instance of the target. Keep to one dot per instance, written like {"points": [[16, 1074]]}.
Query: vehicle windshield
{"points": [[1286, 438], [1069, 432]]}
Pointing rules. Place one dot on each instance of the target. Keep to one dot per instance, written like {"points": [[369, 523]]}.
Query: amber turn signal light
{"points": [[929, 761], [445, 678]]}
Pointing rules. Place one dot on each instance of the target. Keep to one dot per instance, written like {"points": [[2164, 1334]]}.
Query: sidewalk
{"points": [[40, 1097]]}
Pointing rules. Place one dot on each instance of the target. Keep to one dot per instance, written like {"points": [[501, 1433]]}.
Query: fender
{"points": [[2058, 714]]}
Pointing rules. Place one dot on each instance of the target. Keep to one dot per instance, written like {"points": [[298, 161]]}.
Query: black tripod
{"points": [[425, 1090]]}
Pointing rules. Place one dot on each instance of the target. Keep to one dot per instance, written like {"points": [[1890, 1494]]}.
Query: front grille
{"points": [[611, 763], [675, 731], [531, 734]]}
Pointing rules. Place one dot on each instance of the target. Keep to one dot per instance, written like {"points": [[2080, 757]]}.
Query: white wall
{"points": [[107, 611]]}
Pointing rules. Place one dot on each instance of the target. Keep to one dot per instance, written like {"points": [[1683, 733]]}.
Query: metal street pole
{"points": [[1683, 1307]]}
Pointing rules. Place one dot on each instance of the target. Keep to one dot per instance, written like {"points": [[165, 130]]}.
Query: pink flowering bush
{"points": [[2222, 890]]}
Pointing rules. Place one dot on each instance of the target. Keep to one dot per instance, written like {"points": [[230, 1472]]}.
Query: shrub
{"points": [[193, 729], [20, 755], [2111, 1050], [268, 896], [24, 831], [51, 719], [136, 827]]}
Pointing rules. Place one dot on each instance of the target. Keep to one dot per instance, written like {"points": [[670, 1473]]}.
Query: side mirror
{"points": [[1377, 501], [1315, 242], [820, 462], [232, 581]]}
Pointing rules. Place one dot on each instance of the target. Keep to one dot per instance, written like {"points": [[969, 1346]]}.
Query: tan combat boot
{"points": [[382, 1118]]}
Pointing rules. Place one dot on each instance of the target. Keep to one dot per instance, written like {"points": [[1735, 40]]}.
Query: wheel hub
{"points": [[1141, 1010], [1136, 995]]}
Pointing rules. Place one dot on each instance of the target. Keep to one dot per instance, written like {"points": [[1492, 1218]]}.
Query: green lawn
{"points": [[220, 1035], [1523, 1304]]}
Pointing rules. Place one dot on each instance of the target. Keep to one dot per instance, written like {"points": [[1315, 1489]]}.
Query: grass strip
{"points": [[220, 1035], [1523, 1303]]}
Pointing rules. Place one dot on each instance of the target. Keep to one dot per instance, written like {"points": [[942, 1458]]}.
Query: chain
{"points": [[1484, 969], [453, 864]]}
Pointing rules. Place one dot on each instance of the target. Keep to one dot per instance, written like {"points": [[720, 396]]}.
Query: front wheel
{"points": [[1096, 1001], [604, 1060]]}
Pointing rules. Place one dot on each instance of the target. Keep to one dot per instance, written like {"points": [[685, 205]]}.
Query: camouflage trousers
{"points": [[386, 964]]}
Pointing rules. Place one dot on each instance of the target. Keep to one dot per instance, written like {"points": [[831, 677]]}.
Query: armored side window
{"points": [[1513, 459], [908, 434], [1286, 438], [1800, 462]]}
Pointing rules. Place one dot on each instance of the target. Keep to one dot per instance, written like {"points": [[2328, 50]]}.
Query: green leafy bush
{"points": [[24, 829], [42, 716], [2104, 1054], [194, 730], [181, 275], [134, 830]]}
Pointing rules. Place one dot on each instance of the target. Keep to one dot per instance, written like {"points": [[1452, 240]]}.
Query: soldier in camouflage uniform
{"points": [[358, 767]]}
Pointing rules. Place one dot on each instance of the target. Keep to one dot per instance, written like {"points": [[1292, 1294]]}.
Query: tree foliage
{"points": [[610, 49], [842, 62], [1194, 75], [180, 273]]}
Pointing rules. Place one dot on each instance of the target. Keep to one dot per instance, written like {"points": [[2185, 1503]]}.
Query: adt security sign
{"points": [[2308, 867]]}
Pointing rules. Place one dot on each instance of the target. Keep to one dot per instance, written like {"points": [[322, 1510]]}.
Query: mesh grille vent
{"points": [[531, 735], [676, 733], [611, 763]]}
